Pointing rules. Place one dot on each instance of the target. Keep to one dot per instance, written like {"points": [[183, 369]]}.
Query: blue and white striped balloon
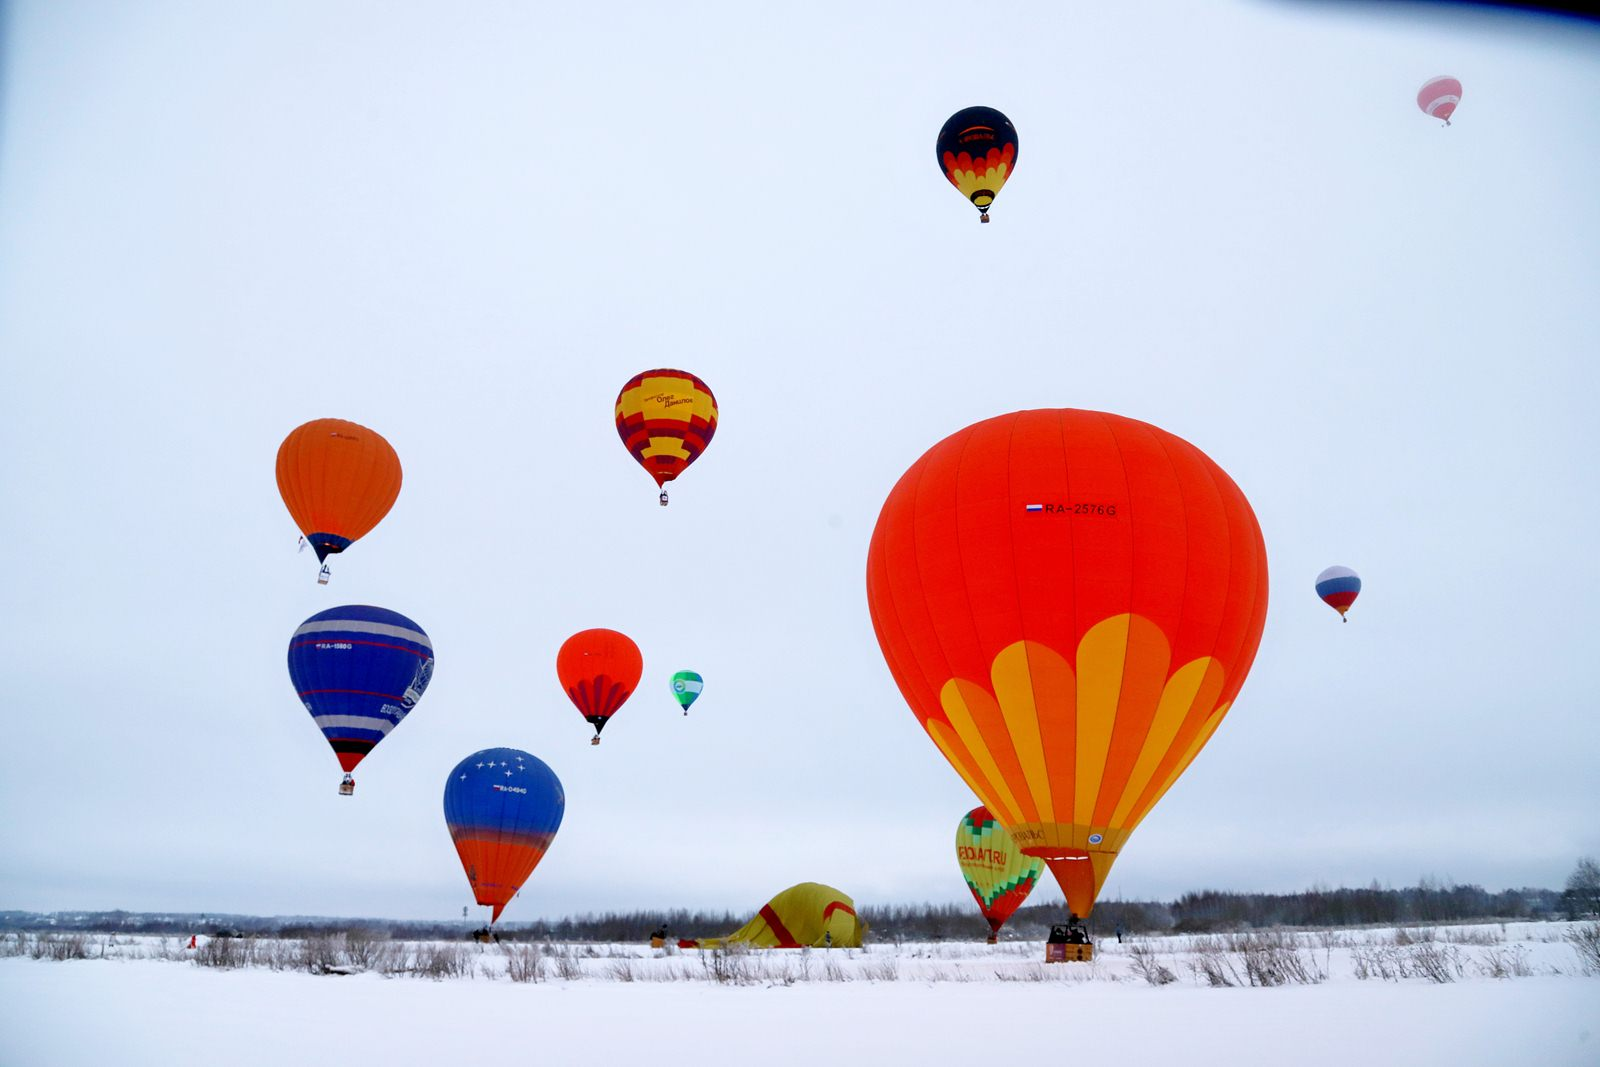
{"points": [[359, 670]]}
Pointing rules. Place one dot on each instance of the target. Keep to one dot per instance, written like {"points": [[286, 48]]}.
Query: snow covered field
{"points": [[1485, 994]]}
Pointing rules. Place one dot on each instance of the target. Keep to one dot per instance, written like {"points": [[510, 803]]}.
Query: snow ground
{"points": [[888, 1004]]}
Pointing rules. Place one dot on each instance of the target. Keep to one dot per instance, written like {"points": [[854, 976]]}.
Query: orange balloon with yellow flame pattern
{"points": [[1069, 601]]}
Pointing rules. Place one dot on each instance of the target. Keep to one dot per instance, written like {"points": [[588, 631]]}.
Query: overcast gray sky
{"points": [[467, 225]]}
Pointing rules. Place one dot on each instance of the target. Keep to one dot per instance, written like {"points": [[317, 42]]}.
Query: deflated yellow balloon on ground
{"points": [[806, 915]]}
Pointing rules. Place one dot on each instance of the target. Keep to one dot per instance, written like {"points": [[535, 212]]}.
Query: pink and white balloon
{"points": [[1439, 96]]}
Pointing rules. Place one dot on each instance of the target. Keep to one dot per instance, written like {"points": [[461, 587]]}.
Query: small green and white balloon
{"points": [[686, 686]]}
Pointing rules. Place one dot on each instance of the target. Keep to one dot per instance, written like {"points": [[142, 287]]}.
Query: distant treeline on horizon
{"points": [[1198, 912]]}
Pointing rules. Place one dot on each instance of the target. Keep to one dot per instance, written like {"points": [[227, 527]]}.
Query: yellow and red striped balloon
{"points": [[666, 418]]}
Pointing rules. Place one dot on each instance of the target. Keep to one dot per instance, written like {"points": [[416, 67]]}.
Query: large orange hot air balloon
{"points": [[666, 418], [599, 669], [339, 480], [1069, 601]]}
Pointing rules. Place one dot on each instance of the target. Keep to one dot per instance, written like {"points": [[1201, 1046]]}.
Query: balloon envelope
{"points": [[686, 687], [359, 670], [1438, 97], [1338, 587], [1069, 601], [666, 418], [599, 669], [998, 873], [503, 807], [338, 480], [977, 151]]}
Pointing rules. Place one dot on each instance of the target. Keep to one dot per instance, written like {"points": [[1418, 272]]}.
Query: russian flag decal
{"points": [[1033, 507]]}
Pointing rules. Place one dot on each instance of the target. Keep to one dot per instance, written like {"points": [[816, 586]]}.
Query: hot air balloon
{"points": [[997, 872], [1069, 601], [339, 480], [686, 686], [503, 808], [359, 670], [599, 670], [666, 419], [977, 151], [1338, 587], [1439, 96]]}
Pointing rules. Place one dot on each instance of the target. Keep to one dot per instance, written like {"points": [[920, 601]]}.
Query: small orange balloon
{"points": [[339, 480]]}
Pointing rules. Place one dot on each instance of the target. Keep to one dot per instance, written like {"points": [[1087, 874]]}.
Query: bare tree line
{"points": [[1204, 911]]}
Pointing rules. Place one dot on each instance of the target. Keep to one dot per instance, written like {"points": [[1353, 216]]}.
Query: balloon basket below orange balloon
{"points": [[983, 217], [1068, 953], [663, 498]]}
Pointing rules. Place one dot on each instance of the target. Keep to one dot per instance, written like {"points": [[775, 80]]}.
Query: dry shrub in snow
{"points": [[439, 961], [365, 950], [1274, 958], [321, 954], [1435, 962], [226, 953], [59, 947], [524, 963], [1376, 961], [165, 949], [882, 970], [1477, 935], [1501, 962], [1146, 966], [567, 966], [620, 970], [1585, 941], [1211, 962], [1415, 935]]}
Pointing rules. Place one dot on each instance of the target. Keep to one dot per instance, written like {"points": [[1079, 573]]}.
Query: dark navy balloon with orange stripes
{"points": [[503, 807], [359, 670], [977, 151]]}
